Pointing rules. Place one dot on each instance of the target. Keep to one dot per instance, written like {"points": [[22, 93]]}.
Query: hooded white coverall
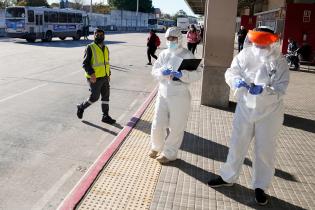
{"points": [[263, 121], [172, 102]]}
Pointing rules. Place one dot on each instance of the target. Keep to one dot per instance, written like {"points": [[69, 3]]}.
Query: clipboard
{"points": [[189, 64]]}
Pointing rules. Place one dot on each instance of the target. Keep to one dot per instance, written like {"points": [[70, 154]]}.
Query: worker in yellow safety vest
{"points": [[97, 73]]}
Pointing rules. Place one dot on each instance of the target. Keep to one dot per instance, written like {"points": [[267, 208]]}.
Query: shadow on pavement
{"points": [[237, 192], [99, 127], [289, 120], [64, 43], [212, 150], [299, 123]]}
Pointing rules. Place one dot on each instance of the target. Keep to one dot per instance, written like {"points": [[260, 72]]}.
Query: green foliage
{"points": [[131, 5], [101, 8]]}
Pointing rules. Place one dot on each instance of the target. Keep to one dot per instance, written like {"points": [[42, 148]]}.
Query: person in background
{"points": [[97, 73], [153, 42], [173, 99], [241, 34], [259, 75], [193, 38]]}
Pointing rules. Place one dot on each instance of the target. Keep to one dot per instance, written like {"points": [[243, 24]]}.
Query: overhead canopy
{"points": [[197, 6]]}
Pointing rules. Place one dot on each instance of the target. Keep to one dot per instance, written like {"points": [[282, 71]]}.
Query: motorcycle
{"points": [[293, 60]]}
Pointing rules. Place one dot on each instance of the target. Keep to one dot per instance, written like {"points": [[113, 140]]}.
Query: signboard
{"points": [[307, 16]]}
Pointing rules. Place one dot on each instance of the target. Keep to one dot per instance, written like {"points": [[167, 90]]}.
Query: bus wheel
{"points": [[62, 38], [30, 39], [48, 36], [77, 36]]}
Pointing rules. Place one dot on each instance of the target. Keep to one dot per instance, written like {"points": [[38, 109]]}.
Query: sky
{"points": [[166, 6]]}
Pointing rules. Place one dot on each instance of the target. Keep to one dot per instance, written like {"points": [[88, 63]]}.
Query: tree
{"points": [[77, 4], [33, 3], [131, 5], [180, 13], [5, 3], [101, 8]]}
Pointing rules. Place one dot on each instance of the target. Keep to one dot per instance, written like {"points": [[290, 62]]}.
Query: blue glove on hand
{"points": [[241, 83], [177, 74], [256, 89], [166, 72]]}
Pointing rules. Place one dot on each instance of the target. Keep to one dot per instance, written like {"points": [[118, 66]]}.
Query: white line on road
{"points": [[21, 93], [34, 88], [40, 204]]}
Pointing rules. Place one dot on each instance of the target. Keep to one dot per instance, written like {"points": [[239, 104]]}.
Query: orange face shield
{"points": [[262, 38]]}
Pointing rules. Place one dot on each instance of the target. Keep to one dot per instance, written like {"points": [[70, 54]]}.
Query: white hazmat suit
{"points": [[173, 99], [259, 116]]}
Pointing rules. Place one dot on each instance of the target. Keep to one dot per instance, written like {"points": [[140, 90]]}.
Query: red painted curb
{"points": [[87, 180]]}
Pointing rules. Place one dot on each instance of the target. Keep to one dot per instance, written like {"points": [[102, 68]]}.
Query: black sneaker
{"points": [[260, 197], [80, 111], [108, 119], [219, 182]]}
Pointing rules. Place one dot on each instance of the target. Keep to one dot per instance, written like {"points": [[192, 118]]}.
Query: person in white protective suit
{"points": [[173, 98], [259, 75]]}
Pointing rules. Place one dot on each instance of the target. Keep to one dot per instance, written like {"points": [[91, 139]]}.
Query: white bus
{"points": [[33, 23], [183, 22], [160, 24]]}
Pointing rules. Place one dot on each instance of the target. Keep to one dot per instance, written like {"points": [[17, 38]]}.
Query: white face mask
{"points": [[261, 52], [172, 45]]}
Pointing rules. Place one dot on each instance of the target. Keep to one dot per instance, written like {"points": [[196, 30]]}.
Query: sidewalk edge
{"points": [[79, 190]]}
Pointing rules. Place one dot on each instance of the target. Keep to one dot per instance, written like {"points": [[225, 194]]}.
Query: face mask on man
{"points": [[172, 45], [99, 39]]}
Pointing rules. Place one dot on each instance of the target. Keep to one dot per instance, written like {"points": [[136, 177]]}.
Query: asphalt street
{"points": [[44, 148]]}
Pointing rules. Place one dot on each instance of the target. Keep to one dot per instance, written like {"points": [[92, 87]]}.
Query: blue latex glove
{"points": [[177, 74], [241, 83], [256, 89], [166, 72]]}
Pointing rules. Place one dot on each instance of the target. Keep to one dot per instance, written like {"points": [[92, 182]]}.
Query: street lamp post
{"points": [[137, 15]]}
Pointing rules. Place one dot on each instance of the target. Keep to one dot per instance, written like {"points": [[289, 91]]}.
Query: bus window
{"points": [[71, 17], [62, 17], [30, 16], [78, 18], [15, 13], [46, 15], [152, 21], [53, 17]]}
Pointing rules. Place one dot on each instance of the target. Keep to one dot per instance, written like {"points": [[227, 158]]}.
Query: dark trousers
{"points": [[99, 88], [240, 45], [192, 47], [151, 52]]}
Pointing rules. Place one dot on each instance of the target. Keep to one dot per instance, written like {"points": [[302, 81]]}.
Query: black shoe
{"points": [[108, 119], [149, 63], [80, 111], [260, 197], [219, 182]]}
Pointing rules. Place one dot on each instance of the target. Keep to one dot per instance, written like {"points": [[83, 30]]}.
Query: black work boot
{"points": [[107, 119], [219, 182], [80, 111], [260, 197]]}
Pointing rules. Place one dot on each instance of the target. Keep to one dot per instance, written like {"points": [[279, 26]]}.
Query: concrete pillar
{"points": [[218, 52]]}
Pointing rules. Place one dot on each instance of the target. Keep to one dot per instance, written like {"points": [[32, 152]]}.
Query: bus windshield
{"points": [[15, 13]]}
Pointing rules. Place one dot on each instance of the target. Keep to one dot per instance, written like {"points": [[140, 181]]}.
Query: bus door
{"points": [[39, 28]]}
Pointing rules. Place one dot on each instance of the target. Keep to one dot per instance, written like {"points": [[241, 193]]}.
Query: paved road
{"points": [[44, 148]]}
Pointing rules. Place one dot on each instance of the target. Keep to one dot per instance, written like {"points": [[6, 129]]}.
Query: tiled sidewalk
{"points": [[132, 180]]}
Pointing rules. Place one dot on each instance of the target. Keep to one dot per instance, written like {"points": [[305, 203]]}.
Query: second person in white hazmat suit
{"points": [[173, 98], [259, 75]]}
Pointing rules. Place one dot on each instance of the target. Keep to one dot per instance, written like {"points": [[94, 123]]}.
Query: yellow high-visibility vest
{"points": [[99, 61]]}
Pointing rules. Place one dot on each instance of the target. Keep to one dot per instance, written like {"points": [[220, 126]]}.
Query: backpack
{"points": [[157, 41]]}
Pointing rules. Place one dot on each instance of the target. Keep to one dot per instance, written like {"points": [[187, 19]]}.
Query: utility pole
{"points": [[137, 15], [91, 7]]}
